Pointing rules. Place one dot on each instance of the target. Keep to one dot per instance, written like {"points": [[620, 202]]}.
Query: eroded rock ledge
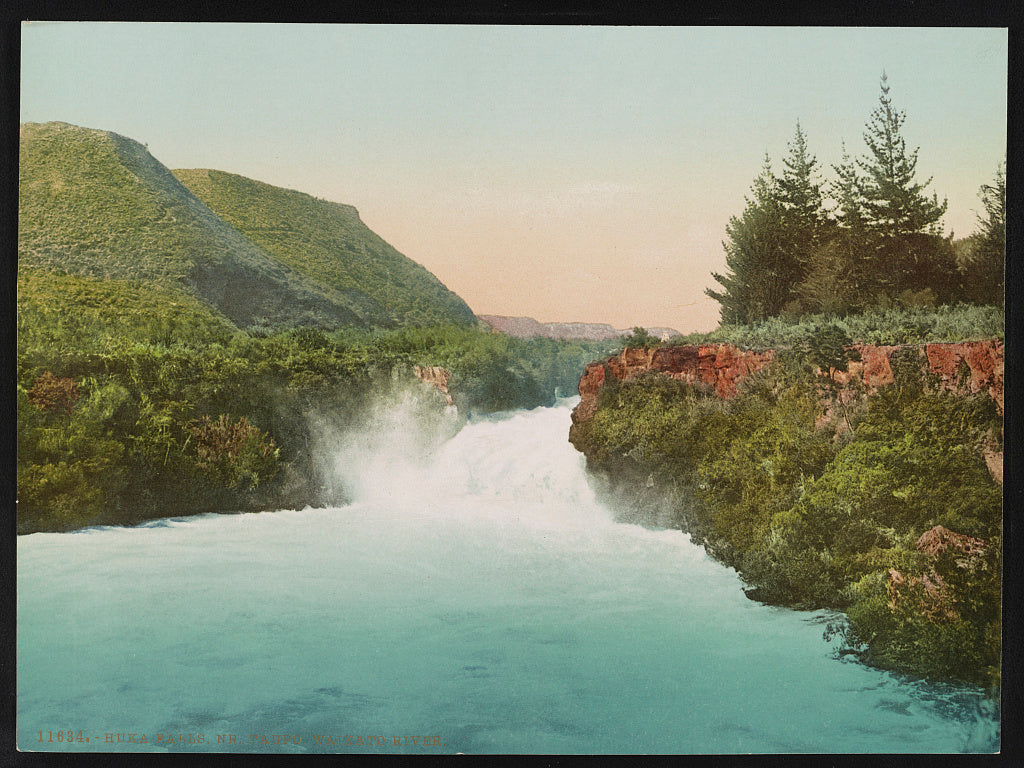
{"points": [[967, 367], [437, 377]]}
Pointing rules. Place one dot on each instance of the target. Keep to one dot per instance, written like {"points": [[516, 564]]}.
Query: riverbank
{"points": [[115, 430], [868, 486]]}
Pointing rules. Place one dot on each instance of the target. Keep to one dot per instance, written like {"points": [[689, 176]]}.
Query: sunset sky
{"points": [[564, 173]]}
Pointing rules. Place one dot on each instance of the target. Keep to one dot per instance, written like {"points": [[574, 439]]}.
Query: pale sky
{"points": [[564, 173]]}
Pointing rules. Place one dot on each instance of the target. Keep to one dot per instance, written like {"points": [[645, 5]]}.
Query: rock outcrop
{"points": [[437, 377], [976, 366], [939, 539], [719, 366], [929, 593], [967, 367]]}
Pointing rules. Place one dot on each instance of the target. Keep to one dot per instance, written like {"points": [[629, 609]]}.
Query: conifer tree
{"points": [[799, 190], [804, 215], [846, 190], [905, 251], [986, 276], [839, 276], [758, 284], [893, 203]]}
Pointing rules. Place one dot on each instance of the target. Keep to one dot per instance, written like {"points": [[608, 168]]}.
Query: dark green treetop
{"points": [[893, 203], [756, 256], [986, 270]]}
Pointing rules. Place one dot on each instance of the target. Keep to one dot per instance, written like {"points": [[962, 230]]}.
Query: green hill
{"points": [[96, 204], [329, 243]]}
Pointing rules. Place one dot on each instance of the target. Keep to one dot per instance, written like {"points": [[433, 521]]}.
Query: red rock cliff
{"points": [[720, 366], [966, 366], [969, 366], [437, 377]]}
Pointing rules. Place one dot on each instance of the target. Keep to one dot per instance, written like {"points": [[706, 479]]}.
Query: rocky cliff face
{"points": [[437, 377], [968, 367], [719, 366]]}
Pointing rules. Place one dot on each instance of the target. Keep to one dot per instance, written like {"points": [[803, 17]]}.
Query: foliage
{"points": [[69, 463], [987, 253], [827, 347], [813, 516], [233, 452], [640, 339], [964, 645], [888, 326], [50, 393], [758, 256], [878, 245], [180, 413], [893, 204], [92, 315]]}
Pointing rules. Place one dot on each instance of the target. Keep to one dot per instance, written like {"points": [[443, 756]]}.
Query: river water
{"points": [[477, 600]]}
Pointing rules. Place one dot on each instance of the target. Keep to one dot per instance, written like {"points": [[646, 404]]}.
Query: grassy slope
{"points": [[329, 243], [98, 204], [91, 315]]}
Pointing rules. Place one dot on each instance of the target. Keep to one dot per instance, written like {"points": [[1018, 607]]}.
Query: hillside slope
{"points": [[329, 243], [96, 204]]}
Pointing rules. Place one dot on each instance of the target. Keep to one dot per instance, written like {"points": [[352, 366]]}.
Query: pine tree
{"points": [[804, 216], [759, 283], [986, 275], [838, 276], [904, 253], [799, 191], [846, 190], [893, 203]]}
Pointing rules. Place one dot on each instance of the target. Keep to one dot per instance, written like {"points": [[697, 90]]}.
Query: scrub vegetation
{"points": [[135, 402]]}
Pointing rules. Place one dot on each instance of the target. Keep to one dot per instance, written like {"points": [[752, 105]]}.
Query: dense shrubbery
{"points": [[891, 326], [815, 517], [119, 422]]}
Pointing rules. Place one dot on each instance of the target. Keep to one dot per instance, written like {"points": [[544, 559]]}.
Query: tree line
{"points": [[870, 237]]}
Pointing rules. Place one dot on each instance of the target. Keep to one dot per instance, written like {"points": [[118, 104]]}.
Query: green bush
{"points": [[813, 514], [233, 453], [70, 462], [890, 326]]}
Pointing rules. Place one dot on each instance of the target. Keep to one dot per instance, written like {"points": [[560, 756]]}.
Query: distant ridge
{"points": [[97, 204], [527, 327]]}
